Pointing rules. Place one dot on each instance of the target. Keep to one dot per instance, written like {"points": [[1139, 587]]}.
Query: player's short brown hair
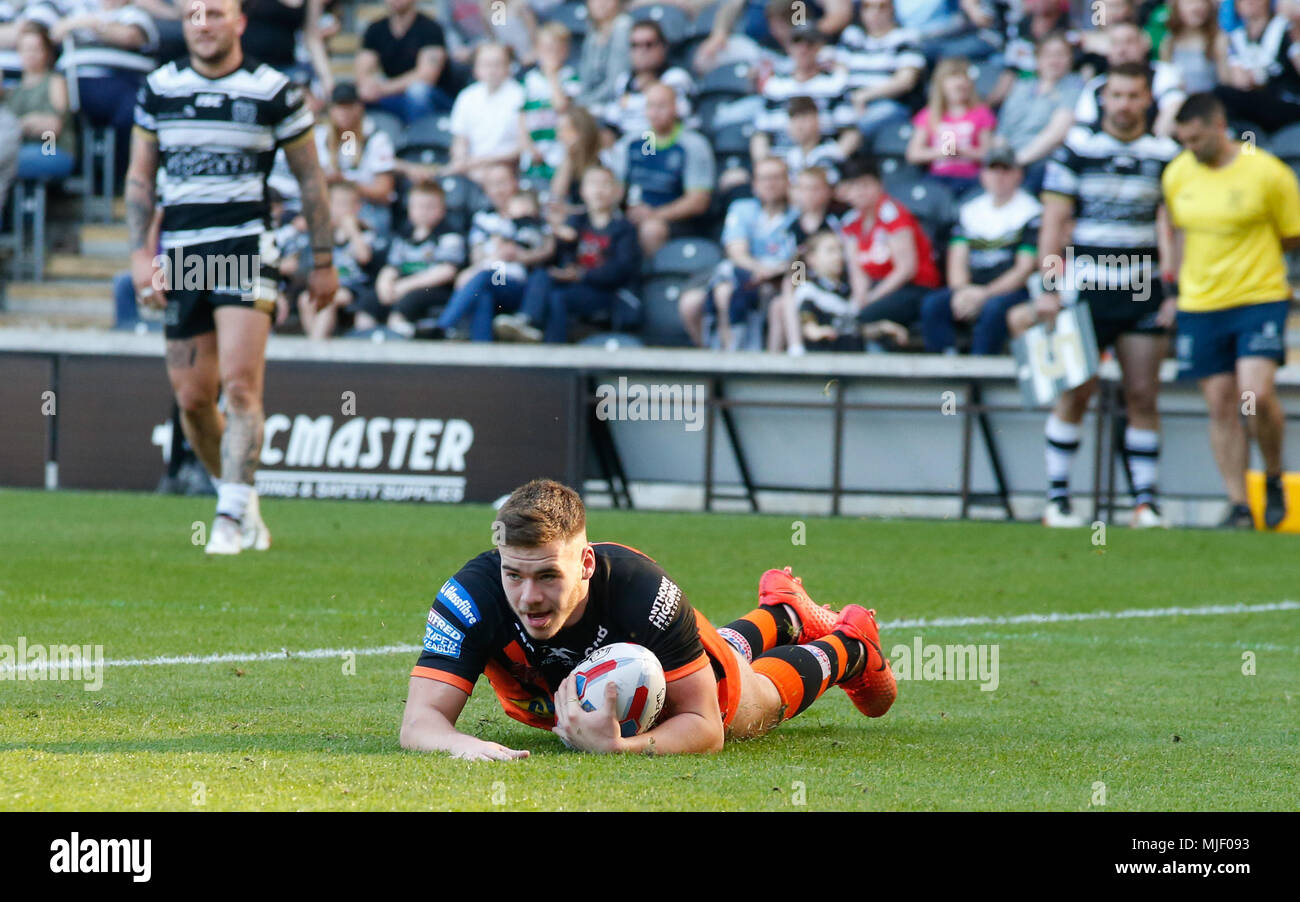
{"points": [[538, 513]]}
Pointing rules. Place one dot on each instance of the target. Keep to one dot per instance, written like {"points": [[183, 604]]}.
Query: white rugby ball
{"points": [[636, 672]]}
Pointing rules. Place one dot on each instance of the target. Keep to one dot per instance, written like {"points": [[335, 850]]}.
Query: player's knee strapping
{"points": [[801, 673], [760, 631]]}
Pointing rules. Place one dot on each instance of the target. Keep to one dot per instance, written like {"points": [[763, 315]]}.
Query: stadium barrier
{"points": [[834, 433]]}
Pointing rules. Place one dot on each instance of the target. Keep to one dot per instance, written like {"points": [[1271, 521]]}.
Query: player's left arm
{"points": [[1170, 251], [324, 279], [691, 721], [1285, 200]]}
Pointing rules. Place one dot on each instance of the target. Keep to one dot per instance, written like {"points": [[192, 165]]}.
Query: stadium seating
{"points": [[29, 230], [672, 21], [891, 141], [1286, 144], [731, 146], [388, 124], [572, 16], [663, 325], [427, 140], [684, 257]]}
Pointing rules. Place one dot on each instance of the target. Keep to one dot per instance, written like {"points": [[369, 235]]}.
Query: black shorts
{"points": [[234, 272], [1116, 313]]}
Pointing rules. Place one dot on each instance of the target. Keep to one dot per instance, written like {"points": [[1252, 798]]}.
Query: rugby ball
{"points": [[636, 672]]}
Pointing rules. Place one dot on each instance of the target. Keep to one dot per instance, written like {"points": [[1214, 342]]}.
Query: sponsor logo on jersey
{"points": [[444, 626], [601, 633], [440, 644], [565, 656], [243, 111], [666, 602], [209, 100], [454, 596]]}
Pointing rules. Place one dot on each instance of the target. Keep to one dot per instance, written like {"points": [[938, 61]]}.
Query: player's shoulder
{"points": [[1159, 147], [641, 592], [168, 76], [474, 595], [1082, 138]]}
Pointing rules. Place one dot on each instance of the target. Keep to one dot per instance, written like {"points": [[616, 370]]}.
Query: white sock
{"points": [[232, 499], [795, 619], [1142, 447], [1062, 442]]}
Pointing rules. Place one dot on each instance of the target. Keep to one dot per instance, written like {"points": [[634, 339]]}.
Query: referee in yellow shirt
{"points": [[1236, 209]]}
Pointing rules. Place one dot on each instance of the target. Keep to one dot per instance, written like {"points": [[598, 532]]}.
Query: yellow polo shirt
{"points": [[1233, 219]]}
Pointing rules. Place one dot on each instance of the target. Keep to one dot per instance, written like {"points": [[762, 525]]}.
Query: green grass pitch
{"points": [[1157, 709]]}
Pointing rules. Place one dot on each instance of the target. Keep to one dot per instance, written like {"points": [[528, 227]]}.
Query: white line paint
{"points": [[936, 622], [1132, 614]]}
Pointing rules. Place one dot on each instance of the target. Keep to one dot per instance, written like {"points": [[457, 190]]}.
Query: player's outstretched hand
{"points": [[587, 731], [471, 748]]}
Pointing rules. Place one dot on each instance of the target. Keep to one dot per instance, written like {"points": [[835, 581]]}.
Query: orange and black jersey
{"points": [[472, 629]]}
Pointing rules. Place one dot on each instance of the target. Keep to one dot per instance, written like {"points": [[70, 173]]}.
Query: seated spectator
{"points": [[760, 247], [422, 263], [115, 46], [669, 179], [1096, 34], [954, 130], [352, 149], [1262, 82], [484, 122], [579, 136], [892, 261], [1040, 110], [1128, 44], [828, 319], [510, 244], [804, 143], [40, 104], [764, 26], [549, 88], [485, 117], [625, 114], [599, 259], [402, 65], [824, 84], [885, 67], [1040, 18], [606, 53], [812, 195], [353, 249], [1195, 45], [991, 256]]}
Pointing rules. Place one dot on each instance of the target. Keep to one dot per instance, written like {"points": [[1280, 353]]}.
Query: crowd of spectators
{"points": [[507, 169]]}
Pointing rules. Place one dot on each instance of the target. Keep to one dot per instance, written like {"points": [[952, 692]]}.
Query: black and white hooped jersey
{"points": [[1115, 186], [216, 144]]}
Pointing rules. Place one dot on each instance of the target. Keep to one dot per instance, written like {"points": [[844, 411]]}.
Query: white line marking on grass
{"points": [[317, 653], [1203, 611]]}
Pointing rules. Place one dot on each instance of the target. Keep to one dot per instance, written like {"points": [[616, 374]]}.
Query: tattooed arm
{"points": [[141, 219], [324, 280]]}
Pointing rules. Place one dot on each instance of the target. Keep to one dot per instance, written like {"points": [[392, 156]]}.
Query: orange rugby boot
{"points": [[873, 690], [783, 587]]}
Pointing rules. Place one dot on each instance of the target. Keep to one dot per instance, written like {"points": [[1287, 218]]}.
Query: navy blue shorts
{"points": [[1210, 343]]}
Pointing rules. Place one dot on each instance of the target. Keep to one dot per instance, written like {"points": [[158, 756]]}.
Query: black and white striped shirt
{"points": [[874, 60], [1115, 186], [216, 144]]}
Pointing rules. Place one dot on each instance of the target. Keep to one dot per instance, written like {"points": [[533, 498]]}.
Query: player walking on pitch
{"points": [[1101, 196], [205, 137], [528, 612], [1236, 209]]}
